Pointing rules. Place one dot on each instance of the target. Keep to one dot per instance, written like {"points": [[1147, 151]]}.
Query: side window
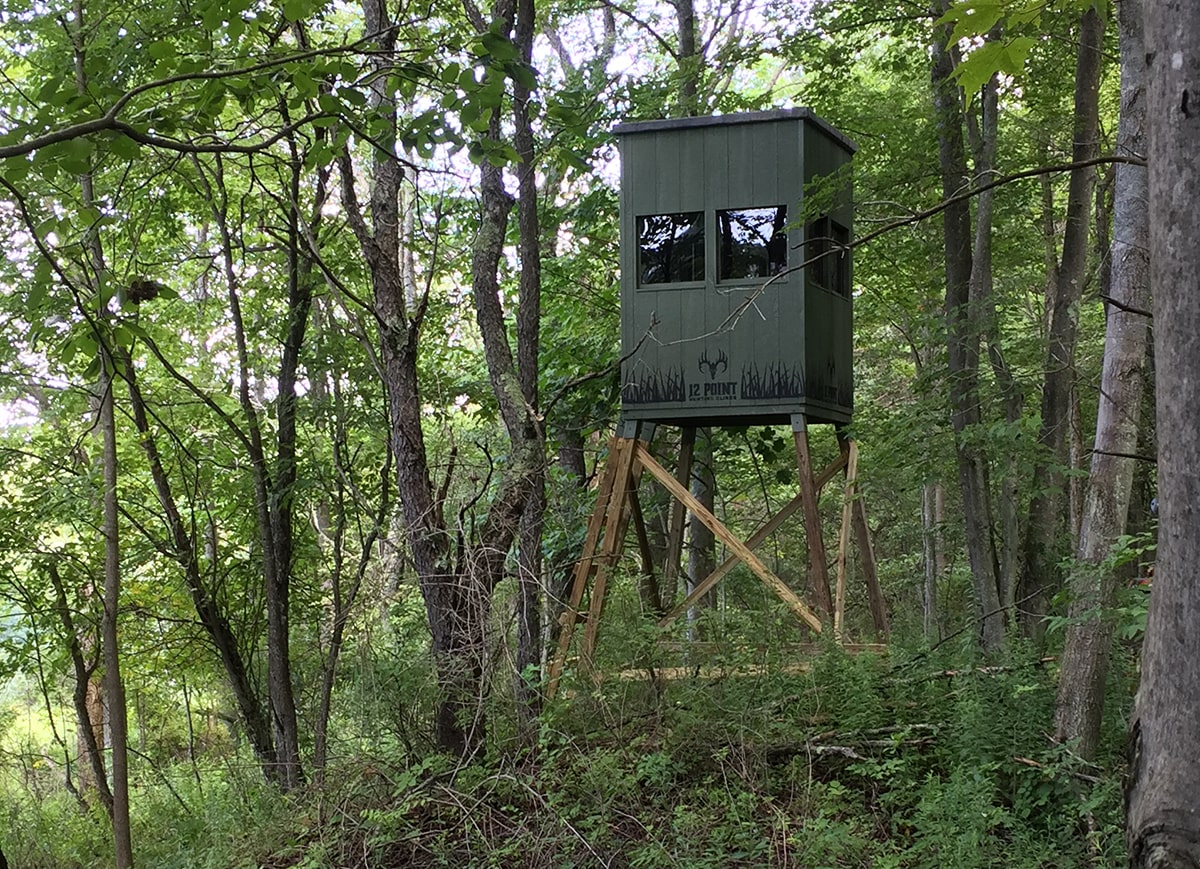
{"points": [[827, 255], [752, 242], [670, 248]]}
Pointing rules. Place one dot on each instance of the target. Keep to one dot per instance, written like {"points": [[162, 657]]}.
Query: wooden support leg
{"points": [[683, 473], [850, 450], [866, 556], [728, 537], [651, 597], [615, 523], [756, 539], [812, 518], [585, 567]]}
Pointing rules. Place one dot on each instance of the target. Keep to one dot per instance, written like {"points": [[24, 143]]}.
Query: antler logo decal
{"points": [[712, 367]]}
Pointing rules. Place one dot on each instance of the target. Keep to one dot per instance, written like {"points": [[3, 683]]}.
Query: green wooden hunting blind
{"points": [[735, 296]]}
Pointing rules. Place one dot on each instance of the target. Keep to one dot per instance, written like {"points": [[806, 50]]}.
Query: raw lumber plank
{"points": [[756, 539], [727, 537], [812, 517]]}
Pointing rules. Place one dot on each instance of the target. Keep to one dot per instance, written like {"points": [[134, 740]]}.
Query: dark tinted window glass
{"points": [[670, 248], [752, 242], [828, 256]]}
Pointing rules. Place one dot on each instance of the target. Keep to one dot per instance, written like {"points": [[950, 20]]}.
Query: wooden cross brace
{"points": [[617, 503]]}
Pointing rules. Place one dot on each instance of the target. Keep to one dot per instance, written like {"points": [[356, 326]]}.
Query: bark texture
{"points": [[1162, 824], [456, 578], [962, 338], [1047, 526], [1106, 507]]}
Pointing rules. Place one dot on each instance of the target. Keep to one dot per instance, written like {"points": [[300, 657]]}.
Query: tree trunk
{"points": [[86, 697], [932, 516], [1046, 531], [529, 314], [1163, 827], [1085, 655], [701, 542], [457, 587], [962, 338], [983, 310], [114, 688], [184, 551], [688, 58]]}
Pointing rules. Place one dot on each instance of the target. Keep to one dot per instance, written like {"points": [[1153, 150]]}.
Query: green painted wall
{"points": [[750, 348]]}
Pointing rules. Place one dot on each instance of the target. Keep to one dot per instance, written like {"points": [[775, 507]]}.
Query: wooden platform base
{"points": [[617, 503]]}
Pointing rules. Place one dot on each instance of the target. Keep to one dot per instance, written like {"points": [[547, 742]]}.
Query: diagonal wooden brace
{"points": [[755, 540], [726, 536]]}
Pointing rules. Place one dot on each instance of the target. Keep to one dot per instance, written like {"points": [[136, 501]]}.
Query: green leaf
{"points": [[353, 97], [124, 147], [15, 169], [161, 50], [523, 74], [76, 156], [972, 18], [979, 66], [303, 83], [496, 46], [294, 10], [122, 336]]}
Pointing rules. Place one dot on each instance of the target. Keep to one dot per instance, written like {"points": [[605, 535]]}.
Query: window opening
{"points": [[670, 248], [828, 255], [752, 242]]}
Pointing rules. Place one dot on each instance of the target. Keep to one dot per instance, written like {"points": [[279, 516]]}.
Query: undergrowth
{"points": [[867, 761]]}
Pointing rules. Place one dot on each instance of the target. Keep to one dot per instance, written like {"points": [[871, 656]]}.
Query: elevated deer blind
{"points": [[735, 290]]}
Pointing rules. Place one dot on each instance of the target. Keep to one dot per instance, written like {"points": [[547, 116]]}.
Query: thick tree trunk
{"points": [[529, 314], [962, 337], [457, 588], [1089, 634], [687, 58], [1163, 827], [1046, 531]]}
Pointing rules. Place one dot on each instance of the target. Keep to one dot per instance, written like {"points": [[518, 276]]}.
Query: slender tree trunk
{"points": [[701, 542], [86, 699], [1085, 656], [1046, 531], [280, 512], [983, 310], [962, 337], [933, 510], [1163, 826], [184, 551], [114, 688]]}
